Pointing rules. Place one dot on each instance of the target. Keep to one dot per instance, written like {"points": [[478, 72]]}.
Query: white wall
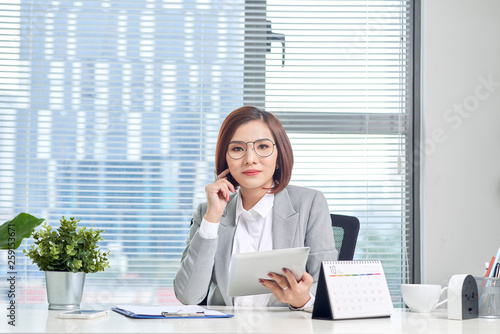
{"points": [[461, 126]]}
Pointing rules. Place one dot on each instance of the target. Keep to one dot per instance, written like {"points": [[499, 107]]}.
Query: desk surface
{"points": [[37, 319]]}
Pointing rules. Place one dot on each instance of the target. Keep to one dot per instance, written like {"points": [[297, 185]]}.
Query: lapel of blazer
{"points": [[285, 221], [224, 248]]}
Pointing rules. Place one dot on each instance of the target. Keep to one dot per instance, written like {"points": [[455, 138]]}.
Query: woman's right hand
{"points": [[218, 196]]}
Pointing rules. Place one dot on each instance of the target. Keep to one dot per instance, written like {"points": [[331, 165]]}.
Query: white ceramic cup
{"points": [[422, 298]]}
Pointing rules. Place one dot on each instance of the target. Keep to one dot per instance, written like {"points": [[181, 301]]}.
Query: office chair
{"points": [[345, 233]]}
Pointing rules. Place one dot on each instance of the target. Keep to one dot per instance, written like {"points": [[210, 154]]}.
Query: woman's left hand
{"points": [[286, 289]]}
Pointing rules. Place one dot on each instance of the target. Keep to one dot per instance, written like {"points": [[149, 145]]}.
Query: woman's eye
{"points": [[237, 149], [263, 146]]}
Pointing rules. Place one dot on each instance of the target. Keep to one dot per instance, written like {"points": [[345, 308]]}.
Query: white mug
{"points": [[422, 298]]}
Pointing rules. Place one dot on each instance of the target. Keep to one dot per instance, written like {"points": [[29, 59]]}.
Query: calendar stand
{"points": [[352, 290]]}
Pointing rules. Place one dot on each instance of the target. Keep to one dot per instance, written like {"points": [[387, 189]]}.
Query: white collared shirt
{"points": [[254, 227]]}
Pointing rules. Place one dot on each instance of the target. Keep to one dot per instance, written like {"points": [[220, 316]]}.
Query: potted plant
{"points": [[67, 255]]}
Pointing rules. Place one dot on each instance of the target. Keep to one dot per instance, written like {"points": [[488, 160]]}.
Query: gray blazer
{"points": [[300, 218]]}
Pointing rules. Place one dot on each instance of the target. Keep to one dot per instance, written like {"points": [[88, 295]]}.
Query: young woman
{"points": [[251, 207]]}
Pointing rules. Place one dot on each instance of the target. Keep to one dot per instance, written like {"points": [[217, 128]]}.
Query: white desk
{"points": [[37, 319]]}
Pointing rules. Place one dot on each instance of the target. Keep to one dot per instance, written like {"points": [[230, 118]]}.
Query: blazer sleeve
{"points": [[192, 281], [319, 237]]}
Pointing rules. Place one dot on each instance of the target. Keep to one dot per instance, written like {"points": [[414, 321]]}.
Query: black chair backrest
{"points": [[345, 233]]}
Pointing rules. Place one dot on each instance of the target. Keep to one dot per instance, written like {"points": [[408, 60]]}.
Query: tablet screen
{"points": [[246, 269]]}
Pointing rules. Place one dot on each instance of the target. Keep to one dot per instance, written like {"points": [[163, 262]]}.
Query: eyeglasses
{"points": [[262, 147]]}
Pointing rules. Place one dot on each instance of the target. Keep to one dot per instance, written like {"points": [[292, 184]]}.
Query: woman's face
{"points": [[252, 171]]}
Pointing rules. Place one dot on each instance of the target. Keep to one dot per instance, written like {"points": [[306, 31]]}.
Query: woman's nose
{"points": [[250, 156]]}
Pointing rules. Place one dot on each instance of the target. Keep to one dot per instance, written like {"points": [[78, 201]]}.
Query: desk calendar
{"points": [[352, 289]]}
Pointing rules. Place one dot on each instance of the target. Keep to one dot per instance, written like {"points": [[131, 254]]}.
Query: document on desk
{"points": [[168, 312]]}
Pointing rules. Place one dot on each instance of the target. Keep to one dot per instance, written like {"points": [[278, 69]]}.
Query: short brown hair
{"points": [[244, 115]]}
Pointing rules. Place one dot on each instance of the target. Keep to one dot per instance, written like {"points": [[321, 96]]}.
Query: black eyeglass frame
{"points": [[253, 148]]}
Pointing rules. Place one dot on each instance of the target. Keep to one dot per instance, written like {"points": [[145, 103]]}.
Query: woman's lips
{"points": [[251, 172]]}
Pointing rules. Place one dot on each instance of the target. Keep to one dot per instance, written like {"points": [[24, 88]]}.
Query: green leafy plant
{"points": [[68, 248], [14, 231]]}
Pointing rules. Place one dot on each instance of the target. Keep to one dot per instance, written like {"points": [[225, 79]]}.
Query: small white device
{"points": [[247, 268], [462, 297], [83, 314]]}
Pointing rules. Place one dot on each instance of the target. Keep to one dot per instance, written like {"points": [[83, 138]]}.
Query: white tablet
{"points": [[246, 269]]}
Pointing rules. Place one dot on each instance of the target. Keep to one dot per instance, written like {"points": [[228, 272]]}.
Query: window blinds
{"points": [[109, 112]]}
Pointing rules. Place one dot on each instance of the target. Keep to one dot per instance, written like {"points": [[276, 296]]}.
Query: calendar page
{"points": [[357, 289]]}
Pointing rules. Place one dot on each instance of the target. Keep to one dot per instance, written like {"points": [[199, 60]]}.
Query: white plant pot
{"points": [[64, 289]]}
